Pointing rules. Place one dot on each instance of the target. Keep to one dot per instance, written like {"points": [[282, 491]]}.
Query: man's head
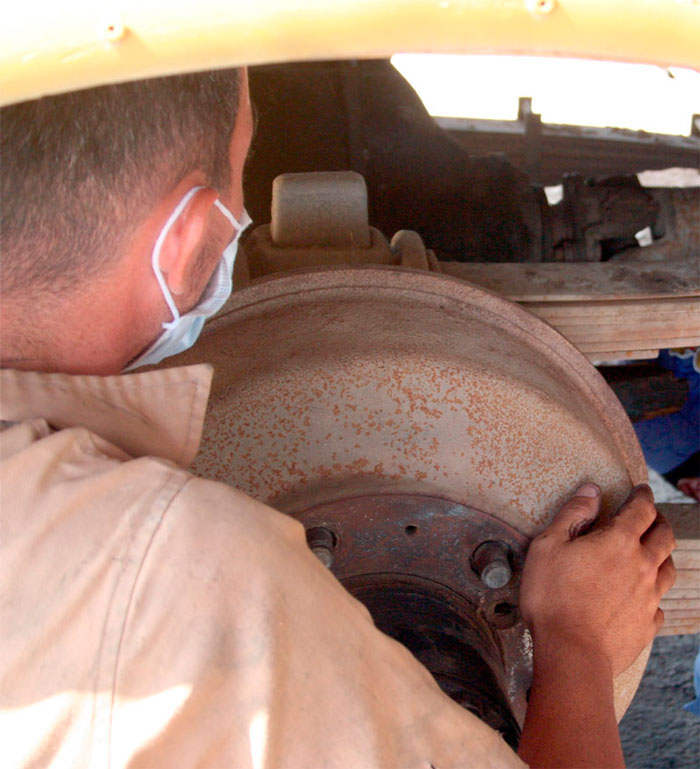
{"points": [[88, 180]]}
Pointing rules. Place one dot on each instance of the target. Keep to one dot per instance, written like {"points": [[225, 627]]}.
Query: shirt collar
{"points": [[157, 413]]}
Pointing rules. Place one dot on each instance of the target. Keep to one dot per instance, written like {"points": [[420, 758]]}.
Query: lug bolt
{"points": [[322, 543], [490, 562]]}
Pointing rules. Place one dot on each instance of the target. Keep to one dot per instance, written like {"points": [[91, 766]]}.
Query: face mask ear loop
{"points": [[245, 222], [155, 258]]}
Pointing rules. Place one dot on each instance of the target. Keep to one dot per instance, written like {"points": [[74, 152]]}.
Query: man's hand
{"points": [[600, 590], [590, 595]]}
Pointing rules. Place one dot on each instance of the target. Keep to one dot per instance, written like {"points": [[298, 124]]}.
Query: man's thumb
{"points": [[580, 511]]}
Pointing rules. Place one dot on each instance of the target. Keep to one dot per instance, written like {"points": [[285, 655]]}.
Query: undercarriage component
{"points": [[546, 152], [594, 215], [320, 209], [364, 117], [339, 384], [675, 231], [598, 220], [320, 219]]}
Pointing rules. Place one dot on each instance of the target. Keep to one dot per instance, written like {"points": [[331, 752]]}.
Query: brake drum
{"points": [[336, 386]]}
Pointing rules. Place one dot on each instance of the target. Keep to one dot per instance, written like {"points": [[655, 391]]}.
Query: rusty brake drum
{"points": [[406, 418]]}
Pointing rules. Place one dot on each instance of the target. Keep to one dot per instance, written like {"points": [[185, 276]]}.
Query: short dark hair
{"points": [[80, 171]]}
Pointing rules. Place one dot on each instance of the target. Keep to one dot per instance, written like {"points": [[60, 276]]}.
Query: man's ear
{"points": [[181, 246]]}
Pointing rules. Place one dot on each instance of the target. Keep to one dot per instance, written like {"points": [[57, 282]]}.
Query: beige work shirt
{"points": [[149, 618]]}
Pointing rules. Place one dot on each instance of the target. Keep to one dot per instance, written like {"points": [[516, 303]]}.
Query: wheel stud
{"points": [[490, 562], [322, 543]]}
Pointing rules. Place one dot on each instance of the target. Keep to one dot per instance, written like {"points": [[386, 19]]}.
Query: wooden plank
{"points": [[680, 626], [689, 628], [684, 520], [636, 331], [681, 617], [627, 311], [686, 560], [657, 344], [593, 338], [596, 337], [632, 346], [687, 578], [690, 593], [681, 605], [614, 336], [686, 629], [610, 311], [625, 339], [593, 324], [609, 355], [566, 282]]}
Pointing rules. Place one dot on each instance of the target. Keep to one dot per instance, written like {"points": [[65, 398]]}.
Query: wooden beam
{"points": [[685, 521], [608, 310], [681, 605], [580, 281]]}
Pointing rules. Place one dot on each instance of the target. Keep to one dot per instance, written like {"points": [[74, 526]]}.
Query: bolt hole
{"points": [[411, 530], [320, 536], [503, 609]]}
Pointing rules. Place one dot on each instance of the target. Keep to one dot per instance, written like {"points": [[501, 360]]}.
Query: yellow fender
{"points": [[49, 47]]}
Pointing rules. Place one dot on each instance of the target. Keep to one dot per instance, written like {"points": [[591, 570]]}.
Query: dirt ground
{"points": [[656, 732]]}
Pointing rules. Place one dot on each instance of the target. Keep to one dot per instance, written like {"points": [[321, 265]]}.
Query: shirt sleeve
{"points": [[240, 649]]}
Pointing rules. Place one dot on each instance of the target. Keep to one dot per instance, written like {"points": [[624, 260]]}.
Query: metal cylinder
{"points": [[322, 543], [490, 561]]}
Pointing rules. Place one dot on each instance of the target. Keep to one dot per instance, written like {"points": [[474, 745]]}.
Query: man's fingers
{"points": [[666, 576], [637, 512], [659, 540], [578, 512]]}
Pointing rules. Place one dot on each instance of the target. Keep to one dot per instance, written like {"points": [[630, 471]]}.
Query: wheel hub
{"points": [[411, 560]]}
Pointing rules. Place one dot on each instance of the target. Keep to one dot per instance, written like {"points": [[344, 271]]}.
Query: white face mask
{"points": [[182, 331]]}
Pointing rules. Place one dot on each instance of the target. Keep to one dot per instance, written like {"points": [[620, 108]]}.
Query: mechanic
{"points": [[152, 618]]}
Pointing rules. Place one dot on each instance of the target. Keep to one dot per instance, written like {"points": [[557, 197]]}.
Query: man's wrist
{"points": [[555, 650], [570, 720]]}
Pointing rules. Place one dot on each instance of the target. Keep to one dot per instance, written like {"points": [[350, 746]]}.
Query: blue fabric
{"points": [[684, 364], [694, 706], [667, 441]]}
